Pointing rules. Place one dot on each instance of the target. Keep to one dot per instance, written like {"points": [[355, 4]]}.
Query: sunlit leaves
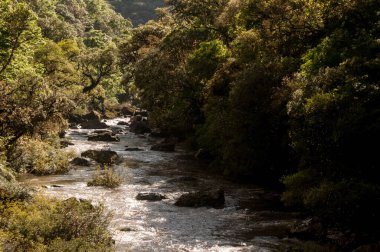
{"points": [[18, 31], [204, 60]]}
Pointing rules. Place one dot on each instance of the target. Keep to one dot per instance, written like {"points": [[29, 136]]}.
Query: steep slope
{"points": [[139, 11]]}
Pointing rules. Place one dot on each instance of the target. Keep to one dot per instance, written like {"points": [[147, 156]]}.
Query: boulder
{"points": [[93, 115], [91, 120], [105, 137], [102, 156], [93, 124], [80, 162], [122, 123], [133, 149], [167, 147], [139, 127], [150, 196], [65, 143], [211, 198]]}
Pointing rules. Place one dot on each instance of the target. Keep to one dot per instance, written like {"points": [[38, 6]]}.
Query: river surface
{"points": [[252, 219]]}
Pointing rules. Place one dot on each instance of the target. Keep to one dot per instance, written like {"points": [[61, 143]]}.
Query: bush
{"points": [[6, 174], [13, 192], [39, 157], [106, 178], [346, 203], [50, 225]]}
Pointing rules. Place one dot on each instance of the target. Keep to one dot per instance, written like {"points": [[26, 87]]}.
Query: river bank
{"points": [[252, 218]]}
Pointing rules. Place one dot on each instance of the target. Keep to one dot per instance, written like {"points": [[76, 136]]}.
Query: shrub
{"points": [[39, 157], [6, 174], [51, 225], [106, 178], [345, 203], [297, 186], [13, 192]]}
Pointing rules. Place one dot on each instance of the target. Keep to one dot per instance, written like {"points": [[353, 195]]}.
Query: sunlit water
{"points": [[246, 223]]}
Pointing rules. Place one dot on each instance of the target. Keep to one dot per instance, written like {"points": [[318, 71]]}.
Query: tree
{"points": [[334, 111], [96, 65], [17, 28]]}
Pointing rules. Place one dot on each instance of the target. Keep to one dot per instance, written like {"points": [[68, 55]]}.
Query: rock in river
{"points": [[105, 137], [133, 149], [150, 196], [138, 126], [102, 156], [80, 162], [65, 143], [93, 124], [123, 123], [211, 198], [91, 121]]}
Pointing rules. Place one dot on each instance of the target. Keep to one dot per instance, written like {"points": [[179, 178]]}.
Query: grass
{"points": [[106, 178]]}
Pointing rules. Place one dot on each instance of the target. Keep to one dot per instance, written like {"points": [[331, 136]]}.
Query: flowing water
{"points": [[252, 219]]}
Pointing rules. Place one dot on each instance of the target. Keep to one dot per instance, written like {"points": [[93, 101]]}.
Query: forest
{"points": [[284, 94], [138, 11]]}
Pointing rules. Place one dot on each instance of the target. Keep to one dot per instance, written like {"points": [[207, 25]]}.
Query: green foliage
{"points": [[348, 203], [105, 177], [138, 11], [271, 87], [10, 191], [98, 64], [18, 32], [208, 57], [43, 63], [6, 174], [51, 225], [43, 71], [267, 86], [39, 157], [334, 115]]}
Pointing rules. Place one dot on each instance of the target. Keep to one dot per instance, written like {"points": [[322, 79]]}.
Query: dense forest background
{"points": [[283, 93], [138, 11], [273, 91]]}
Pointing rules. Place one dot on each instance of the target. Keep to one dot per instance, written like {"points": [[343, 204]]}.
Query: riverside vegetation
{"points": [[57, 58], [283, 93]]}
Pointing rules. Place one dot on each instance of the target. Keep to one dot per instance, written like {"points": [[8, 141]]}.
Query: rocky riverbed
{"points": [[145, 211]]}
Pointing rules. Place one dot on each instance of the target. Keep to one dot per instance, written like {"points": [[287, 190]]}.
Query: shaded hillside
{"points": [[139, 11]]}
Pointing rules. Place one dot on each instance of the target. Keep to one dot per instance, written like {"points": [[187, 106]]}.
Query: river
{"points": [[252, 219]]}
